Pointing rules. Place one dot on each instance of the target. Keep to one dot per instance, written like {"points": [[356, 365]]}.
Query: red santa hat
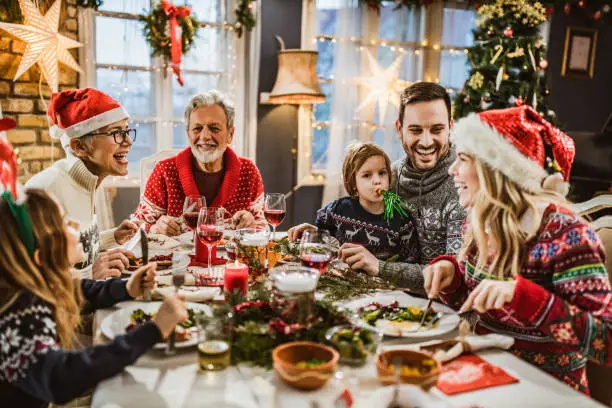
{"points": [[78, 112], [521, 145]]}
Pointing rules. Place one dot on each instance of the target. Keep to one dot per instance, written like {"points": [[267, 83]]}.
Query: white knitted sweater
{"points": [[74, 186]]}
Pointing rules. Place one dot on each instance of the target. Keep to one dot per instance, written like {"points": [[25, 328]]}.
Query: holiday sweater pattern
{"points": [[437, 214], [172, 179], [348, 221], [35, 370], [561, 313]]}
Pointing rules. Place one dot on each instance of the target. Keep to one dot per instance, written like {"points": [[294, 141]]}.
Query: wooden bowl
{"points": [[408, 357], [286, 356]]}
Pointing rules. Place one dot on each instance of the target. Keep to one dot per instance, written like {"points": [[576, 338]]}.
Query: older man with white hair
{"points": [[208, 167]]}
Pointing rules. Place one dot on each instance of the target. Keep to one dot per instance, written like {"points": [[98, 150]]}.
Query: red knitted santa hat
{"points": [[77, 112], [519, 143]]}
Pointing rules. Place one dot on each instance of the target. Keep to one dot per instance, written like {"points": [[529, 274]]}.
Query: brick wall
{"points": [[21, 100]]}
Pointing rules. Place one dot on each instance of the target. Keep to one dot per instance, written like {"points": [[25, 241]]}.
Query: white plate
{"points": [[115, 323], [447, 323], [183, 262]]}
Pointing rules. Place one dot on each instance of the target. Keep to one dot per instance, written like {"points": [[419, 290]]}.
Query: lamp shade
{"points": [[296, 81]]}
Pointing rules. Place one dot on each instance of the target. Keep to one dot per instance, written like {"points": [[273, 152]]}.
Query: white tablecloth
{"points": [[157, 381]]}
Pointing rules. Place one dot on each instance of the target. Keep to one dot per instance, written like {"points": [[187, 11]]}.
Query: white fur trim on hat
{"points": [[96, 122], [473, 136]]}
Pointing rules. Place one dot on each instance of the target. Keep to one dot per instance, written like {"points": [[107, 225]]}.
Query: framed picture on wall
{"points": [[579, 53]]}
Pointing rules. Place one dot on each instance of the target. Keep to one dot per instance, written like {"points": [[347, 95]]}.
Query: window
{"points": [[388, 35], [121, 66]]}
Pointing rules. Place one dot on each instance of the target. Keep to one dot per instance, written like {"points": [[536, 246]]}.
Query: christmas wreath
{"points": [[245, 19], [161, 32], [259, 326]]}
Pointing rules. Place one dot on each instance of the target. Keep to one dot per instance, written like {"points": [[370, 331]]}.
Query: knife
{"points": [[425, 311], [144, 246]]}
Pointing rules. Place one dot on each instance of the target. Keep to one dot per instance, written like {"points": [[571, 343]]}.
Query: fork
{"points": [[396, 373], [429, 302]]}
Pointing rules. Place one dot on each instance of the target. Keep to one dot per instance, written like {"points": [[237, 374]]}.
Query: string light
{"points": [[395, 46]]}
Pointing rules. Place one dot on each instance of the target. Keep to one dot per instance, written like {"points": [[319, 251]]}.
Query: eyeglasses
{"points": [[119, 135]]}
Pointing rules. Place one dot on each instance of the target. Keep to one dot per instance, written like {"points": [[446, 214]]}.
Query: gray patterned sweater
{"points": [[439, 217]]}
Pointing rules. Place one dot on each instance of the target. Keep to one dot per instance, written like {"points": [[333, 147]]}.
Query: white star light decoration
{"points": [[384, 85], [45, 45]]}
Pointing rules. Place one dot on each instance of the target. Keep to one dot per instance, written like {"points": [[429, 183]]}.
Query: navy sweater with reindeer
{"points": [[348, 221]]}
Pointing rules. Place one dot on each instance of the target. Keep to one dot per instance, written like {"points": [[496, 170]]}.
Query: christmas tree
{"points": [[508, 60]]}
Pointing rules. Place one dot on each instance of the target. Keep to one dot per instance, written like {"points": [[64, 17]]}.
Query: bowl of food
{"points": [[354, 344], [415, 368], [305, 365]]}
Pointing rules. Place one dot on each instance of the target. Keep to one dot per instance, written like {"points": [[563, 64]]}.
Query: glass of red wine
{"points": [[314, 250], [210, 228], [275, 210], [191, 209]]}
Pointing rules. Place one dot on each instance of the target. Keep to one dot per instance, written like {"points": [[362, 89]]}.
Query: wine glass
{"points": [[191, 209], [211, 224], [275, 210], [314, 250]]}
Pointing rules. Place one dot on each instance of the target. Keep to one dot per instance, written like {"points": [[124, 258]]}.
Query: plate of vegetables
{"points": [[401, 316], [134, 314]]}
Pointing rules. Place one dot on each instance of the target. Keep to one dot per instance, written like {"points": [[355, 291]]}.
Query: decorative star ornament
{"points": [[384, 85], [45, 45]]}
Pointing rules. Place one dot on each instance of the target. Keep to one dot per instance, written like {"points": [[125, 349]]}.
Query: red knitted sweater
{"points": [[172, 179]]}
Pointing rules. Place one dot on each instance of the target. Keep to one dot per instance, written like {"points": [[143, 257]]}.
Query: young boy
{"points": [[358, 218]]}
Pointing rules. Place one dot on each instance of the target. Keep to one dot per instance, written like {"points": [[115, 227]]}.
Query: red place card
{"points": [[470, 372]]}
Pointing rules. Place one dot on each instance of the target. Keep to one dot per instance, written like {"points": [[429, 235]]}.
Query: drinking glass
{"points": [[211, 224], [252, 250], [214, 341], [315, 251], [191, 209], [275, 210]]}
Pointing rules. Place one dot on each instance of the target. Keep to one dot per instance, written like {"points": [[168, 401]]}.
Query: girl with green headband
{"points": [[41, 302]]}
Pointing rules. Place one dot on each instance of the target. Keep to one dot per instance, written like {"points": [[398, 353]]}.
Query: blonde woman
{"points": [[40, 304], [529, 266]]}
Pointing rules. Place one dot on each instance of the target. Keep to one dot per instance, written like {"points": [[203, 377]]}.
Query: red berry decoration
{"points": [[543, 64], [508, 32], [581, 3], [519, 101], [567, 8], [549, 11]]}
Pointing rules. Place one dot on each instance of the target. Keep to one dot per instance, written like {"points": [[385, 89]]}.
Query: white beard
{"points": [[207, 157]]}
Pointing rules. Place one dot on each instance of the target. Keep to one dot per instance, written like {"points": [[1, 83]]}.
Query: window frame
{"points": [[433, 24], [162, 84]]}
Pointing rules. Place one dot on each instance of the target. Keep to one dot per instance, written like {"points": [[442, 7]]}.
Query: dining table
{"points": [[157, 380]]}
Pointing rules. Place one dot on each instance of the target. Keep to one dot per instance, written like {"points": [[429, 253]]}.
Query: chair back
{"points": [[599, 376], [148, 163]]}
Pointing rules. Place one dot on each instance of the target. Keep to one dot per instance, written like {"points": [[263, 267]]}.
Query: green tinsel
{"points": [[393, 204]]}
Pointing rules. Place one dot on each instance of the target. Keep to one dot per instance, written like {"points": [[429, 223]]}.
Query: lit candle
{"points": [[296, 283], [236, 277]]}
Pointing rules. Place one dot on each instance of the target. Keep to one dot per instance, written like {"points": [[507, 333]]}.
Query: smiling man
{"points": [[208, 167], [93, 131], [423, 181]]}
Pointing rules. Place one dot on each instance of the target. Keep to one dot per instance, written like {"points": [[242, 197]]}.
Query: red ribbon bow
{"points": [[173, 13], [8, 159]]}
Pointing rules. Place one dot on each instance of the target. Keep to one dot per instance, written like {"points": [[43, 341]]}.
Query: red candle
{"points": [[236, 277]]}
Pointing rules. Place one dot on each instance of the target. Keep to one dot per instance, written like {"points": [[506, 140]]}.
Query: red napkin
{"points": [[216, 261], [470, 372]]}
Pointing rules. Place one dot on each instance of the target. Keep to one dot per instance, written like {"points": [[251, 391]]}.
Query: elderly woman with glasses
{"points": [[93, 131]]}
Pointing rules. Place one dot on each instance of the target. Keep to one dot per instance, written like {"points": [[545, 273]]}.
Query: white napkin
{"points": [[473, 343], [191, 293]]}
